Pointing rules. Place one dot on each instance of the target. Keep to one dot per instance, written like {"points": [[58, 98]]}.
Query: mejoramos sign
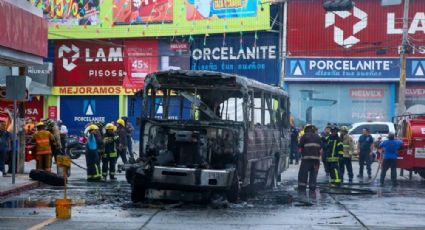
{"points": [[246, 55], [79, 19]]}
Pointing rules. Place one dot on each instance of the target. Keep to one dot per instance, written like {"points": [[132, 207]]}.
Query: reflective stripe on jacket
{"points": [[111, 142], [310, 145], [333, 149], [43, 139]]}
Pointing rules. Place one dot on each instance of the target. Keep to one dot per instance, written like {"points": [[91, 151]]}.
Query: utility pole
{"points": [[402, 88]]}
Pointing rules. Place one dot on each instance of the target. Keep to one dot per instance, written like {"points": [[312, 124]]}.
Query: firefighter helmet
{"points": [[344, 129], [93, 127], [39, 124], [121, 122], [110, 126]]}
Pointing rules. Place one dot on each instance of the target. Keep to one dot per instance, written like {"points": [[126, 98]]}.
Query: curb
{"points": [[19, 189]]}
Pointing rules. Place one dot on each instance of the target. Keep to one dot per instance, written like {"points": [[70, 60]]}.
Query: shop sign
{"points": [[368, 30], [252, 55], [52, 112], [78, 111], [92, 90], [80, 63]]}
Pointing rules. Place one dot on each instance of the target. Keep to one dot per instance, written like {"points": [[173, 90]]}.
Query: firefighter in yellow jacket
{"points": [[110, 156], [333, 150], [43, 140]]}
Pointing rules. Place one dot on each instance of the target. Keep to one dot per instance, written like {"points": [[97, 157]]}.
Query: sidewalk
{"points": [[22, 182]]}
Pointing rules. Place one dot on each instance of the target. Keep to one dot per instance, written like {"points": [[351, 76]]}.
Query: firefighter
{"points": [[109, 157], [122, 134], [43, 140], [92, 155], [333, 151], [345, 161], [390, 147], [99, 138], [310, 145], [56, 145], [325, 136]]}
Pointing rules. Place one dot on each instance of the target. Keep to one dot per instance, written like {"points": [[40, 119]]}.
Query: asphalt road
{"points": [[107, 206]]}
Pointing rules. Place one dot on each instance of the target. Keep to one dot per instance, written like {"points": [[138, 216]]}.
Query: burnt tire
{"points": [[74, 151], [47, 177], [129, 174], [137, 192]]}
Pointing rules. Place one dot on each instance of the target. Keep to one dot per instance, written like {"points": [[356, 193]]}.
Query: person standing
{"points": [[325, 137], [348, 145], [294, 145], [390, 147], [333, 151], [5, 141], [92, 155], [43, 141], [109, 157], [310, 145], [122, 135], [130, 129], [56, 145], [365, 147], [63, 130]]}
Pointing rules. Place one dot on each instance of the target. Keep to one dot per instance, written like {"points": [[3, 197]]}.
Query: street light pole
{"points": [[402, 88]]}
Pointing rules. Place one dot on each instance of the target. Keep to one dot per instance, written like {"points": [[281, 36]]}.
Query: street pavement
{"points": [[107, 205]]}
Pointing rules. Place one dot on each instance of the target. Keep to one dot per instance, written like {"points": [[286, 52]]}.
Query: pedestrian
{"points": [[130, 129], [92, 155], [325, 136], [63, 130], [109, 157], [390, 147], [294, 145], [345, 163], [310, 145], [122, 135], [333, 151], [56, 145], [365, 147], [99, 138], [5, 141], [43, 147]]}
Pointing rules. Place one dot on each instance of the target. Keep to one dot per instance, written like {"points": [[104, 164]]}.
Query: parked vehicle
{"points": [[411, 130], [376, 129], [204, 133], [76, 146]]}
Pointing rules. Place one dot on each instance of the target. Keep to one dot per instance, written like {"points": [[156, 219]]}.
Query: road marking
{"points": [[43, 224]]}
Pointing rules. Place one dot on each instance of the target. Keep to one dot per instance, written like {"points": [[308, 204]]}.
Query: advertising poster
{"points": [[174, 55], [346, 104], [213, 9], [78, 111], [160, 18], [33, 110], [368, 30], [89, 63], [70, 12], [415, 99], [141, 59], [244, 55], [141, 11]]}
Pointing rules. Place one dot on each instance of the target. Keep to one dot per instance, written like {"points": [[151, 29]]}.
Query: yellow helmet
{"points": [[110, 126], [40, 124], [121, 122], [93, 127]]}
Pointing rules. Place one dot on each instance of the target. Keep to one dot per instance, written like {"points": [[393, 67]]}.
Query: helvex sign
{"points": [[369, 29]]}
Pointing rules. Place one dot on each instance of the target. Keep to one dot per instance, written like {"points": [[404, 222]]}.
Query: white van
{"points": [[376, 129]]}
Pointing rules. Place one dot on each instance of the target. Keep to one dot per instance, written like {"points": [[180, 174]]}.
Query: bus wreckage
{"points": [[205, 133]]}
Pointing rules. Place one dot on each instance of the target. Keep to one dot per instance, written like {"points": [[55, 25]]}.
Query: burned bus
{"points": [[204, 133]]}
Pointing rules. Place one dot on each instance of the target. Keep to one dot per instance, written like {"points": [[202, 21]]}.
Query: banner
{"points": [[251, 55], [141, 59], [154, 18], [78, 111], [88, 63], [70, 12], [368, 30], [140, 11], [212, 9], [175, 54]]}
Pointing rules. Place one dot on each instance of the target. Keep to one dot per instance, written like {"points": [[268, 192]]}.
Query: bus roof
{"points": [[175, 78]]}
